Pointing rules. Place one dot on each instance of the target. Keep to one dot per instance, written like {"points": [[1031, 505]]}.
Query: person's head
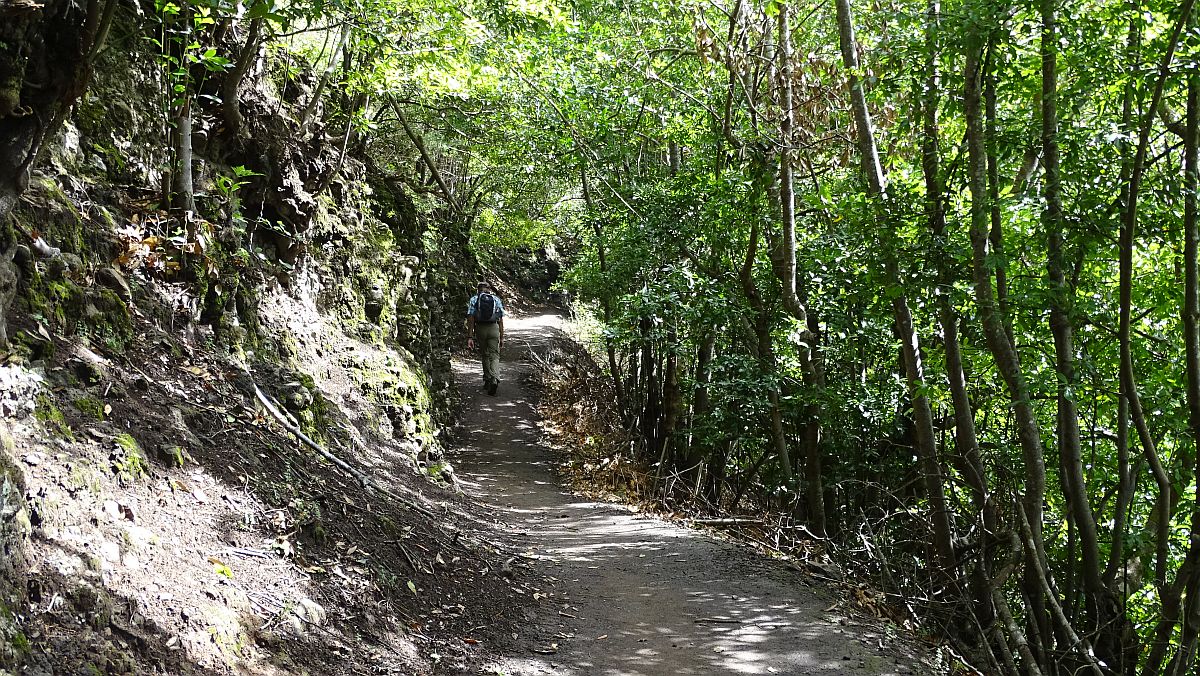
{"points": [[484, 286]]}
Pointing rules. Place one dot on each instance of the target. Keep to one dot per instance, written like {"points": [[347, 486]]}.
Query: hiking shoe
{"points": [[492, 386]]}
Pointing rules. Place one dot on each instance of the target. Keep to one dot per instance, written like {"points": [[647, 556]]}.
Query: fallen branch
{"points": [[363, 479], [728, 522]]}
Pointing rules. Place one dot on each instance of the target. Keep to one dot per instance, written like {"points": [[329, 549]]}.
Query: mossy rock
{"points": [[51, 417], [173, 456], [90, 407], [128, 460], [57, 302], [106, 320]]}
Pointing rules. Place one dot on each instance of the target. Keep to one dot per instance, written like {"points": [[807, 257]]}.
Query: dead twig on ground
{"points": [[363, 479]]}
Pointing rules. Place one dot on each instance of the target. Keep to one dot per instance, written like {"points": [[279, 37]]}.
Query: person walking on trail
{"points": [[485, 326]]}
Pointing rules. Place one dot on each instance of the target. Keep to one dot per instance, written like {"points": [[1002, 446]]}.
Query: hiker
{"points": [[485, 325]]}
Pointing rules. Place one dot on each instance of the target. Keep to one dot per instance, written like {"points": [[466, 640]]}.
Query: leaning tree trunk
{"points": [[914, 368], [1003, 350]]}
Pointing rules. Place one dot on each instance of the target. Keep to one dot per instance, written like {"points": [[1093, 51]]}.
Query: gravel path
{"points": [[635, 595]]}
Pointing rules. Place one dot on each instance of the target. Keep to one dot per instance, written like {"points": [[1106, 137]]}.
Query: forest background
{"points": [[916, 278]]}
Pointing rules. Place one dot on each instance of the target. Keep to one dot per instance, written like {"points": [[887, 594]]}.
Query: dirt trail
{"points": [[649, 597]]}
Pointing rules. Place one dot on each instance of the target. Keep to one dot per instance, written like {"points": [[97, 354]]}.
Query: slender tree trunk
{"points": [[697, 451], [1126, 481], [230, 107], [1169, 595], [1186, 655], [672, 405], [610, 346], [326, 76], [419, 143], [1061, 327], [1126, 474], [996, 234], [182, 190], [913, 364], [994, 323], [184, 194], [966, 442]]}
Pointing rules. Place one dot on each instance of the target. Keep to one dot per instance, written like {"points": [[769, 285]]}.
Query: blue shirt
{"points": [[474, 299]]}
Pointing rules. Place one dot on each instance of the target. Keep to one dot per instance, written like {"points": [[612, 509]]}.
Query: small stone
{"points": [[309, 611], [34, 459], [114, 280], [110, 552], [296, 397], [140, 538], [131, 561], [23, 257]]}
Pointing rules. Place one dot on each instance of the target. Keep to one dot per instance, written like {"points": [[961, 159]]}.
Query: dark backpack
{"points": [[487, 309]]}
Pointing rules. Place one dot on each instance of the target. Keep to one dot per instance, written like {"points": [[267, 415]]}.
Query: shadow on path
{"points": [[636, 595]]}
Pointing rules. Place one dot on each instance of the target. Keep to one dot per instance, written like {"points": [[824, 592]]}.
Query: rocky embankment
{"points": [[222, 431]]}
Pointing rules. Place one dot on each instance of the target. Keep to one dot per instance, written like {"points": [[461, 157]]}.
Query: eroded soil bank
{"points": [[627, 594]]}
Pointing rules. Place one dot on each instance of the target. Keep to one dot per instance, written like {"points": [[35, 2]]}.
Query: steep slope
{"points": [[171, 377]]}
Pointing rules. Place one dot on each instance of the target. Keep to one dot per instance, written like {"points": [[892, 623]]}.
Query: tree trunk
{"points": [[996, 234], [914, 368], [701, 404], [610, 346], [1061, 327], [183, 196], [326, 76], [1003, 350], [230, 107], [672, 406], [1185, 656], [1168, 594]]}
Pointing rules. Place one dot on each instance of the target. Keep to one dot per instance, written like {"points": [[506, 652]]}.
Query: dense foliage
{"points": [[936, 282]]}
